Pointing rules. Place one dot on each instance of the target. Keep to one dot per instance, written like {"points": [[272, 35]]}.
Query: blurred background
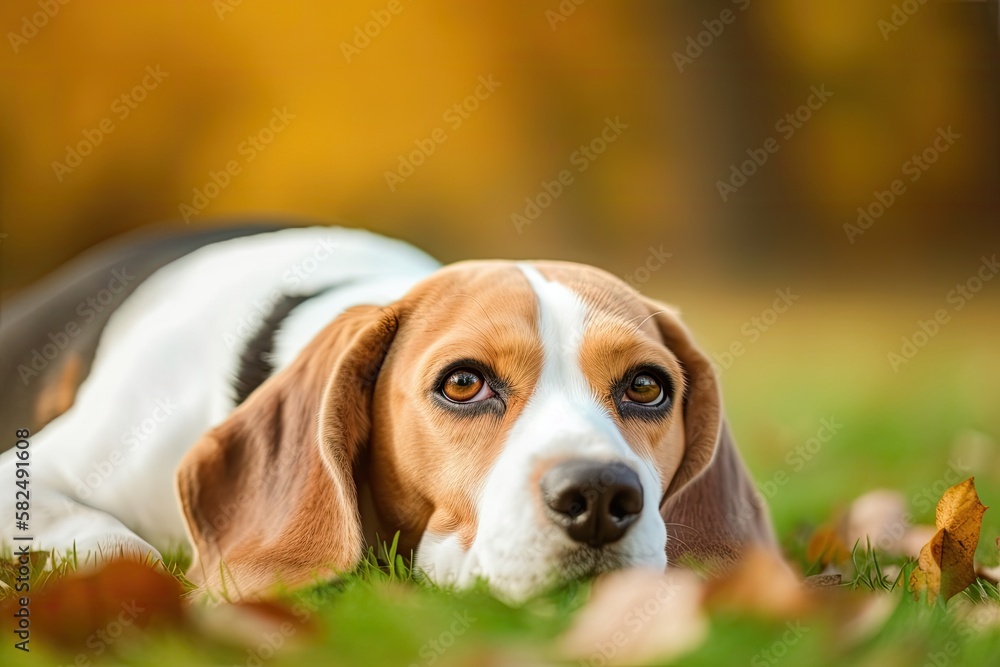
{"points": [[711, 152]]}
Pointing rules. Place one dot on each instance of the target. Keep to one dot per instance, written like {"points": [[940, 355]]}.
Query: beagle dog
{"points": [[278, 400]]}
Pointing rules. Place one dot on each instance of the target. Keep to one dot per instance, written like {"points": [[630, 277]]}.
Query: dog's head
{"points": [[519, 423]]}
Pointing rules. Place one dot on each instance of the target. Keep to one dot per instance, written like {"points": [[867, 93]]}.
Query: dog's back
{"points": [[178, 318], [49, 332]]}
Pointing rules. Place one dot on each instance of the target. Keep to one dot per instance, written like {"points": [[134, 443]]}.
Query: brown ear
{"points": [[712, 508], [269, 494], [702, 399]]}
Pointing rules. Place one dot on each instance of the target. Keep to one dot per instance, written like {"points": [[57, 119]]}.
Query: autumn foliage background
{"points": [[822, 411], [356, 111]]}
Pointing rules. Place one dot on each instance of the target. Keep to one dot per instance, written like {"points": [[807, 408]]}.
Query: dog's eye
{"points": [[465, 386], [644, 388]]}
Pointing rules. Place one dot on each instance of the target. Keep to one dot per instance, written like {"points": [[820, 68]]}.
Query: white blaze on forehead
{"points": [[564, 416], [517, 548], [562, 320]]}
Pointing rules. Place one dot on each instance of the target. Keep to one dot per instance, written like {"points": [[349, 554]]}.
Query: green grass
{"points": [[380, 615], [822, 359]]}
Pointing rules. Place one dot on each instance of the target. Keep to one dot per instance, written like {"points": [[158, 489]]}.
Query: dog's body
{"points": [[315, 359]]}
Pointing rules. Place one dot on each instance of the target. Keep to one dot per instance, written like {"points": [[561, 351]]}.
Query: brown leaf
{"points": [[945, 565], [866, 618], [976, 616], [81, 611], [827, 546], [878, 517], [762, 584], [823, 581], [252, 623], [637, 616]]}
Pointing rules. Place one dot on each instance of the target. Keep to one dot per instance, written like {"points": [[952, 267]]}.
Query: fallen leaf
{"points": [[977, 616], [878, 517], [762, 584], [90, 611], [867, 618], [823, 581], [827, 545], [637, 616], [945, 565], [251, 623]]}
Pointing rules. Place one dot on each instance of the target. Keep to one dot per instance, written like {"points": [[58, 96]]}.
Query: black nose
{"points": [[594, 501]]}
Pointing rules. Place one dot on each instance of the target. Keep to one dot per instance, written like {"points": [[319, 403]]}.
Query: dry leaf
{"points": [[81, 611], [823, 581], [638, 615], [827, 546], [977, 616], [945, 566], [867, 618], [762, 584], [250, 623], [878, 517]]}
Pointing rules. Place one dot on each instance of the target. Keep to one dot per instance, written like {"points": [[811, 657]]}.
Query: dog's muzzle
{"points": [[595, 502]]}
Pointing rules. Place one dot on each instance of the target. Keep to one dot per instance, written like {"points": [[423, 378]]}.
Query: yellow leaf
{"points": [[945, 565]]}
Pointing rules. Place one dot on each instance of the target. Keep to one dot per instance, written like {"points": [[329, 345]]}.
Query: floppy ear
{"points": [[702, 404], [269, 494], [712, 508]]}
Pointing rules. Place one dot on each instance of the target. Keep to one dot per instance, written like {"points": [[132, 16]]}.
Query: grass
{"points": [[899, 431]]}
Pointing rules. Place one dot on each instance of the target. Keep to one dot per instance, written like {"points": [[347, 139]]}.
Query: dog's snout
{"points": [[594, 501]]}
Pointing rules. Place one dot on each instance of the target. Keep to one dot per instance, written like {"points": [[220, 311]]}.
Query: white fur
{"points": [[102, 474], [515, 549]]}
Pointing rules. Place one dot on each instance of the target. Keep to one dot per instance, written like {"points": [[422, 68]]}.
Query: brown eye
{"points": [[644, 389], [464, 386]]}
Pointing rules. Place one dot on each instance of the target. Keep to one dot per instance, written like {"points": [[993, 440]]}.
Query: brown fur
{"points": [[712, 509], [268, 495], [272, 493]]}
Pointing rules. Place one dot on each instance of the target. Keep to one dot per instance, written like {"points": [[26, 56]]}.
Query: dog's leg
{"points": [[62, 524], [100, 476]]}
